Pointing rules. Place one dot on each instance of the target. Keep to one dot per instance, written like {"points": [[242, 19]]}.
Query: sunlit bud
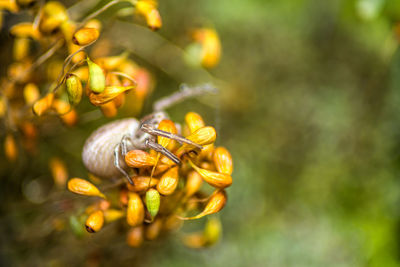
{"points": [[83, 187], [193, 183], [153, 230], [21, 48], [139, 159], [43, 104], [108, 94], [95, 222], [207, 152], [109, 109], [97, 80], [141, 183], [59, 172], [25, 29], [31, 93], [10, 148], [74, 89], [135, 210], [166, 126], [9, 5], [153, 201], [111, 215], [153, 19], [214, 205], [202, 136], [135, 236], [168, 182], [223, 160], [194, 240], [215, 179], [111, 63], [54, 14], [212, 231], [194, 121], [85, 36]]}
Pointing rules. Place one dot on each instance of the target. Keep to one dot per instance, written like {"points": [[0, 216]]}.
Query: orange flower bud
{"points": [[109, 109], [111, 215], [223, 160], [10, 148], [216, 179], [193, 183], [64, 109], [153, 19], [214, 205], [141, 183], [25, 29], [194, 121], [31, 93], [21, 48], [211, 46], [167, 126], [85, 36], [59, 172], [83, 187], [135, 236], [70, 118], [153, 201], [153, 230], [172, 223], [202, 136], [95, 222], [168, 182], [109, 93], [135, 210], [43, 104], [139, 159]]}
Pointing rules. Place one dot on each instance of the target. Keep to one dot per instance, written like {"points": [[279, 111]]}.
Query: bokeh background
{"points": [[309, 107]]}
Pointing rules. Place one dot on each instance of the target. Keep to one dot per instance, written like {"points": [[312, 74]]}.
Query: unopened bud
{"points": [[59, 172], [95, 222], [194, 121], [153, 230], [135, 236], [111, 215], [223, 160], [83, 187], [31, 93], [153, 201], [215, 179], [10, 148], [108, 94], [168, 182], [97, 80], [214, 205], [135, 210], [43, 104], [85, 36], [139, 159], [74, 89], [193, 183]]}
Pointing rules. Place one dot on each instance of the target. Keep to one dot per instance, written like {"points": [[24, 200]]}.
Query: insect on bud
{"points": [[83, 187], [108, 94], [193, 183], [134, 237], [139, 159], [214, 205], [95, 222], [153, 201], [85, 36], [97, 80], [223, 160], [194, 121], [111, 215], [215, 179], [10, 148], [74, 89], [168, 182], [135, 210], [31, 93], [43, 104]]}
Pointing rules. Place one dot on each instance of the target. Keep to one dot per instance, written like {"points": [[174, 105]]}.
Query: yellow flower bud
{"points": [[168, 182], [166, 126], [153, 230], [25, 29], [85, 36], [153, 201], [214, 205], [111, 215], [212, 231], [194, 240], [223, 160], [95, 222], [153, 19], [193, 183], [194, 121], [59, 172], [141, 183], [111, 63], [83, 187], [93, 23], [31, 93], [97, 80], [74, 89], [108, 94], [10, 148], [54, 14], [139, 159], [43, 104], [215, 179], [135, 236], [203, 136], [135, 210], [9, 5], [21, 48]]}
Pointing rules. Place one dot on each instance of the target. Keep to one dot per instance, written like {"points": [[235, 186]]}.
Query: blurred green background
{"points": [[309, 108]]}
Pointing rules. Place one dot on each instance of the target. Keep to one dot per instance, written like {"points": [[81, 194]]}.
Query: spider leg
{"points": [[159, 148], [147, 128], [117, 158]]}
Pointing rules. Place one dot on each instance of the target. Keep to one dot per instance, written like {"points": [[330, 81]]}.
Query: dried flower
{"points": [[108, 94]]}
